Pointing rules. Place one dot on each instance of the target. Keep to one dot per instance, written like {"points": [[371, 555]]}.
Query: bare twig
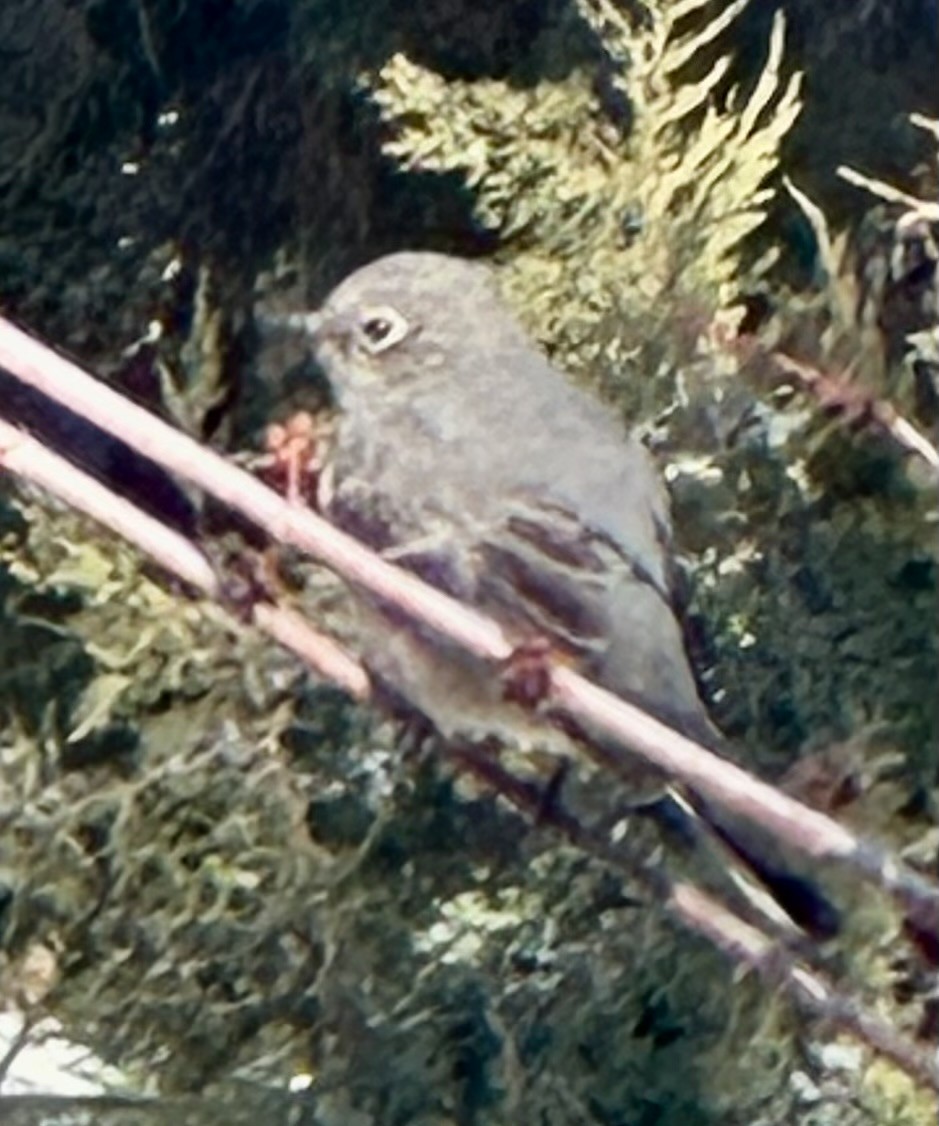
{"points": [[24, 455], [317, 651], [16, 1046], [858, 406], [724, 783], [927, 208], [811, 992]]}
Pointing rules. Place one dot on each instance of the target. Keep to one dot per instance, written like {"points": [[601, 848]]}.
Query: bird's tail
{"points": [[696, 822]]}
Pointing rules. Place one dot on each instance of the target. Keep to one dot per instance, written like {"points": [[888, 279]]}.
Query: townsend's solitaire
{"points": [[464, 455]]}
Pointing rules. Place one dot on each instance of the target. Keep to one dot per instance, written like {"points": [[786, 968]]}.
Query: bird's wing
{"points": [[548, 574], [546, 570]]}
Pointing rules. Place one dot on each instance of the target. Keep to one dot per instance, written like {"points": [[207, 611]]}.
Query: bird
{"points": [[465, 456]]}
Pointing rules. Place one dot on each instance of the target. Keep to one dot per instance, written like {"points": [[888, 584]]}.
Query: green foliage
{"points": [[597, 214]]}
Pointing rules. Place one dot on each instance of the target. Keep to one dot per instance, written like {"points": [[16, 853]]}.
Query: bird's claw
{"points": [[526, 673]]}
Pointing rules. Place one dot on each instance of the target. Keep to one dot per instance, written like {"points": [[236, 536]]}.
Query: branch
{"points": [[858, 406], [926, 208], [30, 459]]}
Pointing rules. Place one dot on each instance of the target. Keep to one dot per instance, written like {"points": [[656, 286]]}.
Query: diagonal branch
{"points": [[858, 406], [23, 455]]}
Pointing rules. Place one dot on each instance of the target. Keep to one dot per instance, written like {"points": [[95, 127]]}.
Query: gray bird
{"points": [[464, 455]]}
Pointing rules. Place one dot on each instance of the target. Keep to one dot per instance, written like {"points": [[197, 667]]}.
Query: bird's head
{"points": [[401, 320]]}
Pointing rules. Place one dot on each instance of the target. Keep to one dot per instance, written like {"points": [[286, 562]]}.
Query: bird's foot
{"points": [[526, 673], [295, 456]]}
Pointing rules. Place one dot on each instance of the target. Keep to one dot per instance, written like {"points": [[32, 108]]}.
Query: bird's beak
{"points": [[307, 323]]}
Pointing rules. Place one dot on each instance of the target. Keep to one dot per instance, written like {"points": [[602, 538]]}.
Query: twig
{"points": [[16, 1046], [858, 406], [724, 783], [24, 455], [811, 992], [317, 651], [926, 208]]}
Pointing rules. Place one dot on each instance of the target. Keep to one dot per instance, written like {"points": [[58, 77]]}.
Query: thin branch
{"points": [[24, 455], [811, 992], [317, 651], [724, 783], [858, 406], [926, 208], [16, 1046]]}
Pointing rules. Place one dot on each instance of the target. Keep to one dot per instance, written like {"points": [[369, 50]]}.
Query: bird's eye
{"points": [[382, 328]]}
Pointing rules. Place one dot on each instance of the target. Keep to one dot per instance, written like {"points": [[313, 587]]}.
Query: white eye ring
{"points": [[380, 328]]}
